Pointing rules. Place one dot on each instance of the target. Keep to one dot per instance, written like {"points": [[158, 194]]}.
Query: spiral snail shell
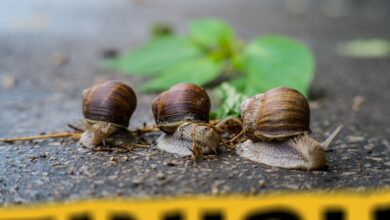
{"points": [[107, 108], [277, 125], [182, 113], [183, 102], [277, 114]]}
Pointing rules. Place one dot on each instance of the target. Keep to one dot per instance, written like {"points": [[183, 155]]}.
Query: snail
{"points": [[182, 113], [107, 109], [277, 125]]}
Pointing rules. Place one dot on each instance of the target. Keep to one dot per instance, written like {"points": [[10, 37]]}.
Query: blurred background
{"points": [[51, 50]]}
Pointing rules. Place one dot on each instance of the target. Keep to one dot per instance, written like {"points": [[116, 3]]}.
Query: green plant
{"points": [[211, 53]]}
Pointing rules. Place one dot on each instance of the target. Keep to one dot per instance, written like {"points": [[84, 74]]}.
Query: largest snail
{"points": [[107, 108], [277, 125], [182, 113]]}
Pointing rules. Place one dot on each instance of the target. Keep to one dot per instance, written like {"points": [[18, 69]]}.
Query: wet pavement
{"points": [[50, 51]]}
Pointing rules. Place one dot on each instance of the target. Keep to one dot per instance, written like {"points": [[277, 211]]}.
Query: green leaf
{"points": [[211, 32], [230, 101], [197, 70], [272, 61], [365, 48], [238, 83], [156, 55]]}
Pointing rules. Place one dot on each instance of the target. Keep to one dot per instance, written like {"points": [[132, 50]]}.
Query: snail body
{"points": [[277, 126], [107, 108], [182, 113], [181, 142]]}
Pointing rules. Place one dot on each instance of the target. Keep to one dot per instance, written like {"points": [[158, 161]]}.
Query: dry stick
{"points": [[229, 143], [221, 123], [142, 145], [237, 136], [73, 135], [44, 136], [76, 135]]}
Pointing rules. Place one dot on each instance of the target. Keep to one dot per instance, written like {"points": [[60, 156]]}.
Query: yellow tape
{"points": [[307, 205]]}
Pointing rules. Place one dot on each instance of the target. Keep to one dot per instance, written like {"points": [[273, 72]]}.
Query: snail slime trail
{"points": [[182, 113], [107, 108], [276, 124]]}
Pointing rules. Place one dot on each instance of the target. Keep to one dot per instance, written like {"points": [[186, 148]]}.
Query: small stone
{"points": [[113, 177], [160, 175], [98, 182], [136, 181], [386, 143], [109, 53], [214, 190], [314, 104], [171, 163], [113, 159], [291, 186], [376, 159], [59, 58], [348, 174], [368, 146], [9, 82], [261, 183], [357, 103], [355, 139]]}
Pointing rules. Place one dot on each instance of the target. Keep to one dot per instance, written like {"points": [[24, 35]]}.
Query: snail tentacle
{"points": [[328, 141]]}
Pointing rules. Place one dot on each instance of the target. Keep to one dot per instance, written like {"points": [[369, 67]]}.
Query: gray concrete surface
{"points": [[53, 49]]}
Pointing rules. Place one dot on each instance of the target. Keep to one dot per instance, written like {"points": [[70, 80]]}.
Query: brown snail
{"points": [[277, 124], [182, 113], [107, 108]]}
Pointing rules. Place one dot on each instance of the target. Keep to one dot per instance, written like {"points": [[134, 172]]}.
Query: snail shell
{"points": [[182, 103], [107, 108], [277, 125], [182, 112], [111, 101], [277, 114]]}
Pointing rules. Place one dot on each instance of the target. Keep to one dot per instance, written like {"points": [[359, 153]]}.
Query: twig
{"points": [[237, 136], [41, 137], [142, 145]]}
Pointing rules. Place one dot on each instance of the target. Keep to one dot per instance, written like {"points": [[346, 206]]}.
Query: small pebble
{"points": [[170, 163], [113, 159], [59, 58], [9, 82], [354, 139], [357, 103], [261, 183], [109, 53], [160, 175]]}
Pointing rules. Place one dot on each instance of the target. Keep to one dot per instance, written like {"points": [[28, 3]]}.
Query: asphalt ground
{"points": [[50, 51]]}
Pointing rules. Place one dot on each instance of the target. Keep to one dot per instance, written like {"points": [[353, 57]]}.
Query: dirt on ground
{"points": [[50, 51]]}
